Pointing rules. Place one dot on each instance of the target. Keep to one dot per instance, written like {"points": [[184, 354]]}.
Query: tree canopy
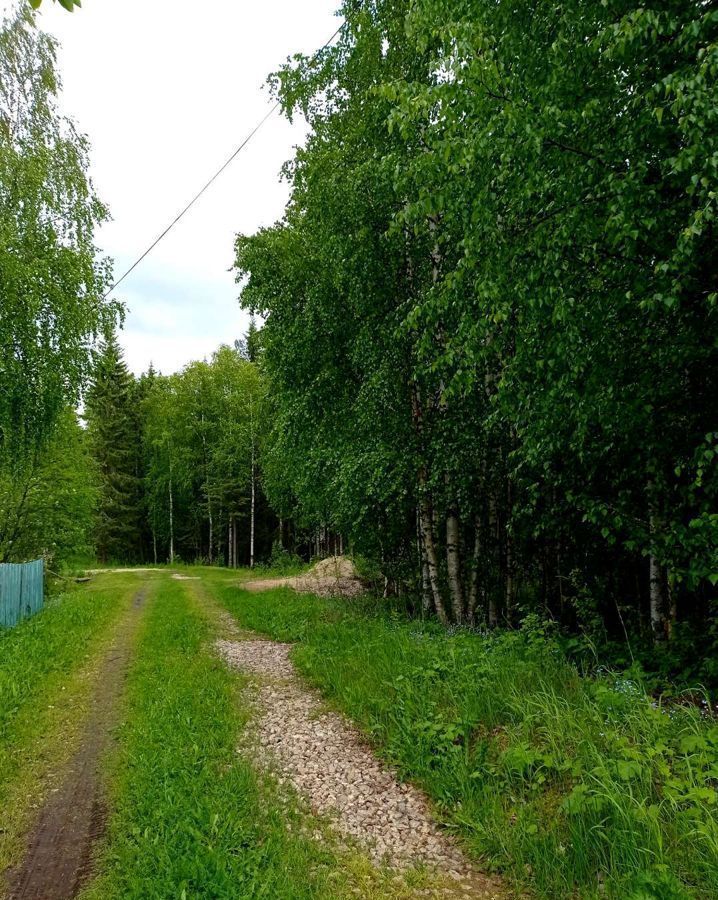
{"points": [[490, 309]]}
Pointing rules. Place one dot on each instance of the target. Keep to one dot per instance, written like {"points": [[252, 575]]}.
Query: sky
{"points": [[166, 90]]}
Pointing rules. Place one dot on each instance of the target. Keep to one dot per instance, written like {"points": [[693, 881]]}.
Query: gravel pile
{"points": [[327, 762]]}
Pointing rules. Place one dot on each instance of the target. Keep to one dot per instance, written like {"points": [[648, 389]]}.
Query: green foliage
{"points": [[201, 430], [69, 5], [115, 440], [572, 786], [490, 307], [47, 506], [192, 818], [51, 282]]}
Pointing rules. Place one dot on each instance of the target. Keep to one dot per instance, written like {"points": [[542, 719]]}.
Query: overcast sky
{"points": [[166, 90]]}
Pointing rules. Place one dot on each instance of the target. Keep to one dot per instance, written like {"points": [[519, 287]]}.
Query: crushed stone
{"points": [[328, 763]]}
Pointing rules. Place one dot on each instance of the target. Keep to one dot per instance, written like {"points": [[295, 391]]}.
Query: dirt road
{"points": [[58, 860]]}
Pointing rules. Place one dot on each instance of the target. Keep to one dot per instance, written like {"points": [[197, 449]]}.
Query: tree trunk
{"points": [[281, 533], [172, 522], [453, 561], [432, 562], [154, 545], [656, 578], [493, 610], [658, 598], [211, 532], [426, 529], [206, 490], [251, 518], [509, 598], [426, 599], [473, 602]]}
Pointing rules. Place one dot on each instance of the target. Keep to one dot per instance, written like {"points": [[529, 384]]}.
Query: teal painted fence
{"points": [[21, 591]]}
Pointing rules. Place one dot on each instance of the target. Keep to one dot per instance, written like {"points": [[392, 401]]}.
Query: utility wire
{"points": [[216, 175]]}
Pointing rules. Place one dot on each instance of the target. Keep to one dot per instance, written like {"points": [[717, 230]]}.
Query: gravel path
{"points": [[329, 764]]}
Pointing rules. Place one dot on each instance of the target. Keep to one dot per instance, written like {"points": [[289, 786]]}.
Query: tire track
{"points": [[59, 855]]}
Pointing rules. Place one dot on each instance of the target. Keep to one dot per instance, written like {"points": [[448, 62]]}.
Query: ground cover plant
{"points": [[191, 817], [45, 672], [571, 785]]}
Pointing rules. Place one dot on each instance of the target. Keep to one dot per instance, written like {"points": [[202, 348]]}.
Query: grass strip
{"points": [[46, 675], [190, 816], [573, 786]]}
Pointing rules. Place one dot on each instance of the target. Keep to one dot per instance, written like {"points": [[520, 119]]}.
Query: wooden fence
{"points": [[21, 591]]}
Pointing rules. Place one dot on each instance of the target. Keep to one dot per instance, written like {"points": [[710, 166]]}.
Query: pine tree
{"points": [[113, 427], [249, 346]]}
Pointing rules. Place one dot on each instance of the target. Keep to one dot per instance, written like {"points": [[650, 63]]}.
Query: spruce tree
{"points": [[113, 428]]}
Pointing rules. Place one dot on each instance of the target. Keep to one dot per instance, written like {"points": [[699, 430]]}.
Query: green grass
{"points": [[571, 786], [191, 817], [45, 676]]}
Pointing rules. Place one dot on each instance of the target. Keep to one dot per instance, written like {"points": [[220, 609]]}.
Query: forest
{"points": [[481, 367], [490, 323], [486, 347]]}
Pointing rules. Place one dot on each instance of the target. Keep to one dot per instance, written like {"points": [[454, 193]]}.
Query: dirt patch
{"points": [[58, 859], [137, 569], [330, 765], [332, 577]]}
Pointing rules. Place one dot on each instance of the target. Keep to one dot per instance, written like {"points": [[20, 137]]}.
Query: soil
{"points": [[59, 855], [332, 577], [328, 763]]}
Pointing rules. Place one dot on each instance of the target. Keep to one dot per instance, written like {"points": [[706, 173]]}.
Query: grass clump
{"points": [[573, 786], [191, 817]]}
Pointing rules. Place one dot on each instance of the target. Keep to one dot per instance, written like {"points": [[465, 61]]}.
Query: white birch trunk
{"points": [[251, 517], [453, 562], [473, 601], [172, 521]]}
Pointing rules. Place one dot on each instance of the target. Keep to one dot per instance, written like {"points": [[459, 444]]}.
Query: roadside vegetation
{"points": [[46, 666], [569, 784]]}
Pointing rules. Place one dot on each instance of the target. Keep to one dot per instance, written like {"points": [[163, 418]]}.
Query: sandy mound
{"points": [[335, 576]]}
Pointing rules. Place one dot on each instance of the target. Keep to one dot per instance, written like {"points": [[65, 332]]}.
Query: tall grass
{"points": [[572, 786]]}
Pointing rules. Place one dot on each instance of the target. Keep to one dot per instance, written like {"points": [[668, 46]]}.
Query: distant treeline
{"points": [[176, 460], [491, 337]]}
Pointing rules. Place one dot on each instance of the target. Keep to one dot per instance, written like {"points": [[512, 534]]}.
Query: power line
{"points": [[210, 182]]}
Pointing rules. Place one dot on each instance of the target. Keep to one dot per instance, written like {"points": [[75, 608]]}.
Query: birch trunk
{"points": [[251, 516], [426, 599], [426, 529], [172, 521], [509, 558], [473, 601], [432, 562], [453, 561], [207, 491], [493, 610], [656, 577]]}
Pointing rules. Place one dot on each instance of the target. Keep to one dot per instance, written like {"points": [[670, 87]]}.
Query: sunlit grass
{"points": [[566, 784], [47, 671]]}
